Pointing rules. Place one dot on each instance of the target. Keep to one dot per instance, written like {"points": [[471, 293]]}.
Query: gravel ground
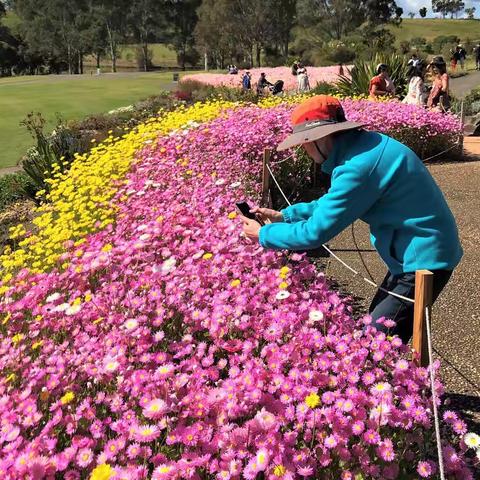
{"points": [[455, 315]]}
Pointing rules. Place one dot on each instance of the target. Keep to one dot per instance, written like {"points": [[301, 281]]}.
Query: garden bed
{"points": [[143, 336]]}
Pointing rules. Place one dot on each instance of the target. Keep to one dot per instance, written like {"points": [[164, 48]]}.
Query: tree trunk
{"points": [[98, 55], [145, 56], [184, 53], [113, 53], [81, 62], [69, 59], [285, 47], [258, 52]]}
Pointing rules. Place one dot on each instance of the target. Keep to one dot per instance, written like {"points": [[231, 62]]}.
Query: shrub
{"points": [[53, 153], [14, 214], [15, 187], [323, 88], [364, 70]]}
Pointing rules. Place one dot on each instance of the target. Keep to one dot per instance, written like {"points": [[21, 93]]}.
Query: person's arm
{"points": [[445, 83], [351, 195], [299, 211]]}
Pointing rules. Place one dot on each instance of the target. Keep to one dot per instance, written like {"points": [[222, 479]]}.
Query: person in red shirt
{"points": [[381, 85]]}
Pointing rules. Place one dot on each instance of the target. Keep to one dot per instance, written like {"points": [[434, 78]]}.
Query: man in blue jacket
{"points": [[380, 181]]}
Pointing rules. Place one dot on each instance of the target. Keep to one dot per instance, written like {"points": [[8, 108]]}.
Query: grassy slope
{"points": [[430, 28], [74, 97]]}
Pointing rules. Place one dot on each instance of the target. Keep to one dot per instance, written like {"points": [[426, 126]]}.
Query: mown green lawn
{"points": [[72, 97]]}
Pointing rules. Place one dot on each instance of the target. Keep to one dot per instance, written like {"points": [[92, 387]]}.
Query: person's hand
{"points": [[251, 228], [267, 214]]}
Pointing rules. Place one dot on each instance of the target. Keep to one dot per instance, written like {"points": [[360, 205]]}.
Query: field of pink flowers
{"points": [[315, 74], [172, 348]]}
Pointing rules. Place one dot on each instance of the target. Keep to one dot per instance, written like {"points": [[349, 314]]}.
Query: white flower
{"points": [[472, 440], [220, 181], [73, 309], [315, 315], [282, 295], [62, 307], [131, 324], [53, 297], [142, 227], [168, 265], [235, 185], [111, 365], [144, 237]]}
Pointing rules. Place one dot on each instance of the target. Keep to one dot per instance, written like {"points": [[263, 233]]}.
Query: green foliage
{"points": [[363, 71], [19, 212], [51, 153], [324, 88], [194, 91], [15, 187]]}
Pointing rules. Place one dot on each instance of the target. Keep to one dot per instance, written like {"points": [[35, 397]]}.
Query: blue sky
{"points": [[416, 5]]}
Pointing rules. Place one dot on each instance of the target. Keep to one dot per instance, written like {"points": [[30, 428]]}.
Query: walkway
{"points": [[461, 86]]}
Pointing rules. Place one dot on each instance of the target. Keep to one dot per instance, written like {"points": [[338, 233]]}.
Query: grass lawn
{"points": [[72, 97], [430, 28]]}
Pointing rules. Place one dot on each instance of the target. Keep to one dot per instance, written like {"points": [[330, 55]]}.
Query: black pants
{"points": [[401, 311]]}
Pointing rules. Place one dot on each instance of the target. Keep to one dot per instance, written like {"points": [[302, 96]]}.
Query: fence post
{"points": [[423, 299], [266, 197]]}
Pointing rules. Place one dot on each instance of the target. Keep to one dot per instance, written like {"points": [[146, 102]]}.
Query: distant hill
{"points": [[430, 28]]}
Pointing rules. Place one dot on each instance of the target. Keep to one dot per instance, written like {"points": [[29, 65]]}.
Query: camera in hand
{"points": [[244, 209]]}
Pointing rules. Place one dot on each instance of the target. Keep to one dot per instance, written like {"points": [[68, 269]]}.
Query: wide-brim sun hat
{"points": [[317, 118]]}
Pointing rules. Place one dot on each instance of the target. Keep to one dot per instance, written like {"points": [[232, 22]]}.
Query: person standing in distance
{"points": [[380, 181]]}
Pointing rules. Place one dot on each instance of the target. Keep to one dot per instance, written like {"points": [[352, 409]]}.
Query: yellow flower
{"points": [[283, 286], [232, 215], [17, 338], [102, 472], [235, 283], [279, 471], [67, 398], [37, 344], [11, 377], [312, 400], [207, 256], [284, 270], [107, 247]]}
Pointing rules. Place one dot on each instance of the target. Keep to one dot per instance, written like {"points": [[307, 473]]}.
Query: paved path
{"points": [[461, 86]]}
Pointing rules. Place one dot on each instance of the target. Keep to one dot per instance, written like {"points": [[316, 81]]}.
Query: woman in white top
{"points": [[302, 79], [417, 94]]}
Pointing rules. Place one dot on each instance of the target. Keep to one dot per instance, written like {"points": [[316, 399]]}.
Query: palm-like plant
{"points": [[358, 79]]}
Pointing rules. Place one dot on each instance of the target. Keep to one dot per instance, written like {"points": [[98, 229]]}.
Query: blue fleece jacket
{"points": [[384, 183]]}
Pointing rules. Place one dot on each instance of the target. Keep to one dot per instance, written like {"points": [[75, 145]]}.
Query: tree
{"points": [[446, 7], [52, 28], [145, 18], [470, 13], [333, 19], [423, 12], [411, 14], [113, 14], [454, 7], [182, 19]]}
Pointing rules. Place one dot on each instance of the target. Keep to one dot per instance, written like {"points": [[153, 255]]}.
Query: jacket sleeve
{"points": [[352, 194], [299, 211]]}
